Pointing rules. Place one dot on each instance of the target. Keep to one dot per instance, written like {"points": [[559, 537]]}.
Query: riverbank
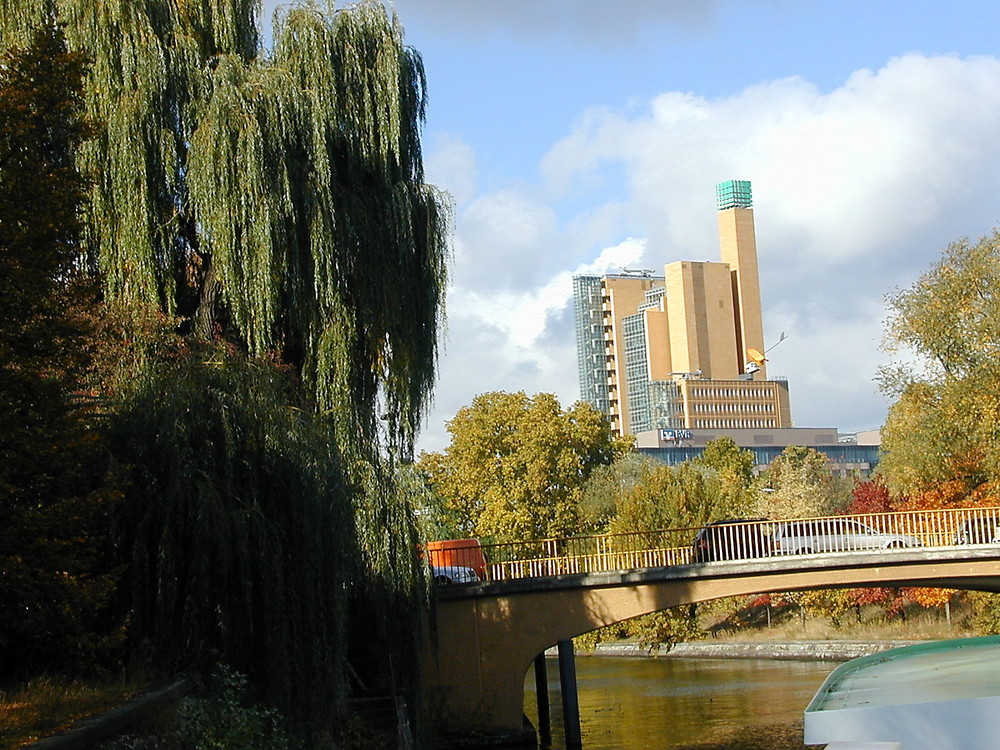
{"points": [[715, 649]]}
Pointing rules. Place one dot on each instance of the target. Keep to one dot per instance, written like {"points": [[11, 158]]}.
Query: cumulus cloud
{"points": [[499, 239], [523, 315], [856, 191], [863, 185], [899, 143]]}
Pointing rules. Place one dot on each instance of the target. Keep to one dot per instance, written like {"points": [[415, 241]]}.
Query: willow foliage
{"points": [[249, 536], [276, 198], [273, 201], [240, 530]]}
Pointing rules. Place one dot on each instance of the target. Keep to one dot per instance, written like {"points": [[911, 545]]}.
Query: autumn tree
{"points": [[944, 423], [834, 604], [43, 325], [671, 497], [684, 496], [799, 484], [734, 467], [516, 465], [726, 457], [871, 496], [718, 485], [609, 484], [55, 577]]}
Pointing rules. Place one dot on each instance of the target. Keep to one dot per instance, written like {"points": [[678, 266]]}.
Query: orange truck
{"points": [[464, 553]]}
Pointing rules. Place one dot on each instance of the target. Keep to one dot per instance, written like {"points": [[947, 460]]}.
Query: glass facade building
{"points": [[849, 458], [590, 345], [636, 372]]}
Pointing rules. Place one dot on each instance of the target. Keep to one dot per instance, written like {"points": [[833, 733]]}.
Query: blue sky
{"points": [[577, 135]]}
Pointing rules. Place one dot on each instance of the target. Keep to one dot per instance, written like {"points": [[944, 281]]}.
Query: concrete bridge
{"points": [[489, 633]]}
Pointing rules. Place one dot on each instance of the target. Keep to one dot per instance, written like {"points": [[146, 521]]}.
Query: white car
{"points": [[453, 574], [834, 535]]}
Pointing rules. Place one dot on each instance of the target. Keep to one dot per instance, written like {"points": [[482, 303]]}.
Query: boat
{"points": [[940, 695]]}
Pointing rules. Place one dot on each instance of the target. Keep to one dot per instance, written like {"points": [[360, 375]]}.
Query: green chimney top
{"points": [[734, 194]]}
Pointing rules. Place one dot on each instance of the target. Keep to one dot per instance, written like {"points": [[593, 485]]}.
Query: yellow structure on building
{"points": [[682, 350]]}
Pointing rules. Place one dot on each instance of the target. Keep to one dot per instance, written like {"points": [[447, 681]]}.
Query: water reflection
{"points": [[708, 704]]}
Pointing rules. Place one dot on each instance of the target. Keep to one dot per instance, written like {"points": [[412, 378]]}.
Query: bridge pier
{"points": [[544, 727], [570, 698]]}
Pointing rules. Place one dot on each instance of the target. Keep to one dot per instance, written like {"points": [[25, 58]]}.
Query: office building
{"points": [[847, 455], [682, 350]]}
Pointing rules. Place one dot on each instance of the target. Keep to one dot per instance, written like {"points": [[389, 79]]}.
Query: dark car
{"points": [[979, 530], [446, 574], [732, 539]]}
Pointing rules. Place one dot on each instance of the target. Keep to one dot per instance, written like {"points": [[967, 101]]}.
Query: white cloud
{"points": [[522, 316], [620, 256], [502, 240], [856, 192], [868, 181], [450, 164]]}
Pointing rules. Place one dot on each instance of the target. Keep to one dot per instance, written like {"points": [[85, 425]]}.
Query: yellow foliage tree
{"points": [[517, 464], [945, 423], [800, 485]]}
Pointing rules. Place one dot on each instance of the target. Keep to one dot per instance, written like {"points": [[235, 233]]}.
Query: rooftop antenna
{"points": [[757, 359]]}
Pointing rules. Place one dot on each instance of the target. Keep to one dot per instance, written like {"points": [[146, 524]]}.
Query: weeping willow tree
{"points": [[229, 499], [276, 199], [253, 538], [273, 202]]}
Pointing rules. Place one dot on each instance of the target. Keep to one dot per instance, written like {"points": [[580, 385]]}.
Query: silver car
{"points": [[834, 535]]}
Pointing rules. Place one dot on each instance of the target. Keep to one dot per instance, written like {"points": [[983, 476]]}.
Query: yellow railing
{"points": [[738, 540]]}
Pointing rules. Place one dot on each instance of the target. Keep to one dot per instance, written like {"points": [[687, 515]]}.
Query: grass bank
{"points": [[48, 705], [928, 627]]}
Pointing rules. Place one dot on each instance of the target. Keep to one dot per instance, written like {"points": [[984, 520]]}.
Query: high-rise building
{"points": [[682, 350]]}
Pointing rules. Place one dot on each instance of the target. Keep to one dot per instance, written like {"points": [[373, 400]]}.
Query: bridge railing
{"points": [[938, 528], [732, 541], [588, 554]]}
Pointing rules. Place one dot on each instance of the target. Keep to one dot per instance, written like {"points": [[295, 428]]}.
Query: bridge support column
{"points": [[570, 700], [544, 727]]}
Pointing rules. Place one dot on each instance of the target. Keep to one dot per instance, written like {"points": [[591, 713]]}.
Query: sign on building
{"points": [[672, 436]]}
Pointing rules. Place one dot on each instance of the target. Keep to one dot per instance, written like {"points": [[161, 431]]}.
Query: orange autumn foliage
{"points": [[928, 597], [954, 494]]}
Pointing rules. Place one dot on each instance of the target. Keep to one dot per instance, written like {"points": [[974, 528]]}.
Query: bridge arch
{"points": [[488, 635]]}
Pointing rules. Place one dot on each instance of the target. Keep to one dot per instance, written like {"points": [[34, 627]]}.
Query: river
{"points": [[629, 703]]}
